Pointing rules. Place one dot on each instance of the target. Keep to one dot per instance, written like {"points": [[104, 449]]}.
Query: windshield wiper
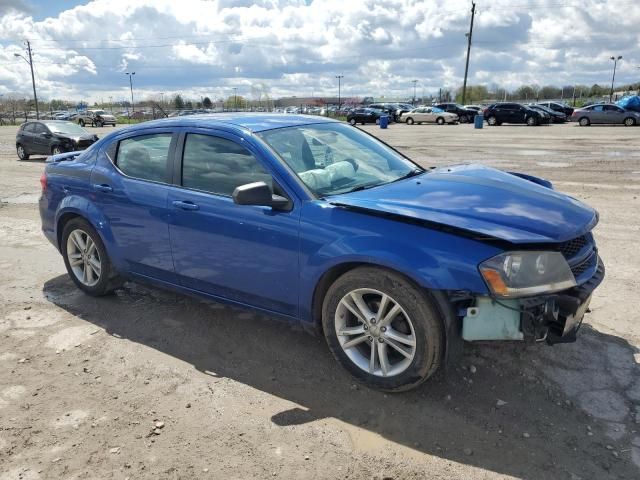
{"points": [[412, 173]]}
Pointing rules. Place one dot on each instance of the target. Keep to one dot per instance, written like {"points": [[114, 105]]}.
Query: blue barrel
{"points": [[384, 121], [478, 121]]}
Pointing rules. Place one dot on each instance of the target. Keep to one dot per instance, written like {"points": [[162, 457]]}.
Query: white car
{"points": [[428, 115]]}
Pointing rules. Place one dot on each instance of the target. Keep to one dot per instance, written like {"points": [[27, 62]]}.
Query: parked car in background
{"points": [[465, 115], [500, 113], [476, 108], [428, 115], [393, 110], [364, 115], [605, 113], [320, 224], [556, 117], [51, 137], [558, 107], [95, 118]]}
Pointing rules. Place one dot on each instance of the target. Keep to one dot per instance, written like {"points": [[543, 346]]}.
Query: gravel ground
{"points": [[150, 384]]}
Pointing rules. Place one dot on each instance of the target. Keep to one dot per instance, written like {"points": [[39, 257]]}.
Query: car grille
{"points": [[583, 266], [571, 247], [581, 253]]}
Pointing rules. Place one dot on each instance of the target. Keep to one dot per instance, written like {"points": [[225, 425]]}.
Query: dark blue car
{"points": [[314, 221]]}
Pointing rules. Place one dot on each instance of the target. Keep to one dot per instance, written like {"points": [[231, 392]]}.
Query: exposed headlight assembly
{"points": [[522, 274]]}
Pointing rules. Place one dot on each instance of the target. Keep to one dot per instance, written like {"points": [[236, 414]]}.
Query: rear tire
{"points": [[629, 122], [86, 259], [56, 150], [584, 122], [408, 344], [532, 121], [352, 122], [22, 152]]}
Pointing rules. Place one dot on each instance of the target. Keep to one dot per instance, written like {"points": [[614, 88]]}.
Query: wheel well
{"points": [[62, 221], [323, 286]]}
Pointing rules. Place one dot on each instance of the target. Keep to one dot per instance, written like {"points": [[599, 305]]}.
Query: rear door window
{"points": [[39, 128], [218, 165], [145, 157]]}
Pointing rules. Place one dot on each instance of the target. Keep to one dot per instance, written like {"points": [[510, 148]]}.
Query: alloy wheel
{"points": [[56, 150], [84, 258], [21, 152], [375, 332]]}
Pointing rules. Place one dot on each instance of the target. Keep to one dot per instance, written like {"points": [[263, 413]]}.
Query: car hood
{"points": [[479, 200]]}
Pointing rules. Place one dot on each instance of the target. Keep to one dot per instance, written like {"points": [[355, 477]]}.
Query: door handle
{"points": [[185, 205], [101, 187]]}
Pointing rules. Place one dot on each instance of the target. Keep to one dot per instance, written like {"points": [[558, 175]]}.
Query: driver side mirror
{"points": [[46, 134], [259, 193]]}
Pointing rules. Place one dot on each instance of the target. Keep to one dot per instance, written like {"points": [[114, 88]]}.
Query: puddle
{"points": [[23, 198], [554, 164], [535, 152]]}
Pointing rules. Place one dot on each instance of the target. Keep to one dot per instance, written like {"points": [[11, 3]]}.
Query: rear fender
{"points": [[82, 207]]}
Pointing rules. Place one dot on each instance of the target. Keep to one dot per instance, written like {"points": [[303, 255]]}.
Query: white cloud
{"points": [[297, 47]]}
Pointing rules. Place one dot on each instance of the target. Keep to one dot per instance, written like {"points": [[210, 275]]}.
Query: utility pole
{"points": [[414, 91], [466, 67], [235, 98], [33, 78], [339, 77], [133, 107]]}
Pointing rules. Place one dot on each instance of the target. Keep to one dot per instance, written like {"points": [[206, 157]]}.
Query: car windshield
{"points": [[336, 158], [68, 128]]}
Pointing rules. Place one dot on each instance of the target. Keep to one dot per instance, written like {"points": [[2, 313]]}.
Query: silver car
{"points": [[605, 113], [428, 115]]}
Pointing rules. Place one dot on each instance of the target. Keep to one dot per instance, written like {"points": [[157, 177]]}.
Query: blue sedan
{"points": [[316, 222]]}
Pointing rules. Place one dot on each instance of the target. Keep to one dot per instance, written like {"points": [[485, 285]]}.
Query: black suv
{"points": [[465, 115], [51, 137], [500, 113]]}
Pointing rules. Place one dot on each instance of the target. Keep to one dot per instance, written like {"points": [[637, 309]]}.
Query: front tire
{"points": [[409, 121], [492, 120], [22, 153], [440, 121], [81, 122], [99, 124], [532, 121], [352, 122], [56, 150], [629, 122], [86, 259], [584, 122], [382, 329]]}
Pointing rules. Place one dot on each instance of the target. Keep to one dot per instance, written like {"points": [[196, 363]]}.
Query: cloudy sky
{"points": [[297, 47]]}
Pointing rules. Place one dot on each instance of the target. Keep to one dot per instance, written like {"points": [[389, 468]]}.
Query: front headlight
{"points": [[521, 274]]}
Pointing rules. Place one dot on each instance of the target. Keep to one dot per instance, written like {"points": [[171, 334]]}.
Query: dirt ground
{"points": [[84, 382]]}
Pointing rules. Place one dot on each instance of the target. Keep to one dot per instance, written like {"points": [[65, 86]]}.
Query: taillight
{"points": [[43, 181]]}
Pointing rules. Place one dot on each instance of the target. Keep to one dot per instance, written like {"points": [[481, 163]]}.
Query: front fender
{"points": [[435, 260]]}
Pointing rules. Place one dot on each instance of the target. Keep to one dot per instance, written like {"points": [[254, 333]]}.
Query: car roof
{"points": [[254, 122]]}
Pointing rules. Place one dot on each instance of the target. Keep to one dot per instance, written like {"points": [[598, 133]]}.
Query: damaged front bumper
{"points": [[554, 318]]}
